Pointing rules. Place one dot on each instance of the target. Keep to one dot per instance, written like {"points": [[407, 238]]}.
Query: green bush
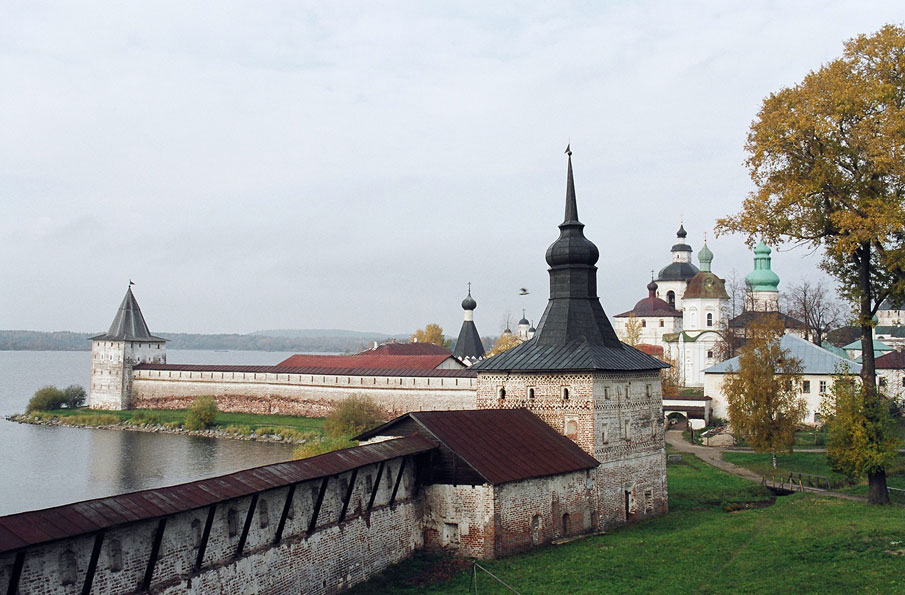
{"points": [[319, 446], [45, 399], [353, 416], [74, 396], [238, 430], [201, 414], [144, 418]]}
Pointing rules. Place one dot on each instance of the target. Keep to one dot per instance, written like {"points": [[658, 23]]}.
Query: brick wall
{"points": [[615, 417], [331, 558]]}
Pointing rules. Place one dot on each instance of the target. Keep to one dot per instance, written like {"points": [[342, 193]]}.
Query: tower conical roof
{"points": [[574, 332], [129, 324]]}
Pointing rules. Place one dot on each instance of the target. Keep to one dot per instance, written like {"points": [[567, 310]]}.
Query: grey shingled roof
{"points": [[677, 271], [469, 344], [129, 324], [574, 332], [814, 359], [577, 355]]}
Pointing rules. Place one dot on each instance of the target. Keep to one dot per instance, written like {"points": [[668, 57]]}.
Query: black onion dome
{"points": [[681, 233], [468, 303], [571, 247], [652, 286], [678, 271]]}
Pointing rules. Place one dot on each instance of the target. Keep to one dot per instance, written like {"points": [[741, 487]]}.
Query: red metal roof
{"points": [[894, 360], [400, 356], [654, 350], [327, 371], [61, 522], [501, 445]]}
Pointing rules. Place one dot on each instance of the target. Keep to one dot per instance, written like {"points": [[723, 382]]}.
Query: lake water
{"points": [[42, 466]]}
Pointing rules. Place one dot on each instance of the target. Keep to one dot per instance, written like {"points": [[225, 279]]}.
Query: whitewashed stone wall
{"points": [[313, 395], [111, 370]]}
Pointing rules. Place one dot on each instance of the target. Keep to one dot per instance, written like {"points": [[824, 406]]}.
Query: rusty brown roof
{"points": [[501, 445], [61, 522], [328, 371]]}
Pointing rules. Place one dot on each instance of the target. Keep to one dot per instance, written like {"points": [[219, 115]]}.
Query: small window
{"points": [[806, 386], [115, 554], [196, 532], [530, 393], [566, 525], [628, 429], [604, 433], [671, 298], [450, 534], [647, 390], [903, 381], [661, 322], [565, 393], [823, 386], [643, 324], [710, 319], [263, 513], [537, 524], [69, 572], [881, 382], [649, 501], [628, 389], [232, 522], [606, 392], [501, 393], [709, 355], [816, 418]]}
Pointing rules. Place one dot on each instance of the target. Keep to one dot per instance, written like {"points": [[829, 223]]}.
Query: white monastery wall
{"points": [[111, 370], [312, 395], [334, 556], [811, 389]]}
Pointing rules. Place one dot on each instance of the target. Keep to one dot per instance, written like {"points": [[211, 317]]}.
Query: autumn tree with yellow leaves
{"points": [[431, 333], [827, 157], [763, 394]]}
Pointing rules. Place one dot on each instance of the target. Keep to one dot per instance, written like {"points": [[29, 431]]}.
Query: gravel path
{"points": [[714, 456]]}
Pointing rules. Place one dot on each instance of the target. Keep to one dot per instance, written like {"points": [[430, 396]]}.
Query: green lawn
{"points": [[802, 543], [223, 420], [816, 463]]}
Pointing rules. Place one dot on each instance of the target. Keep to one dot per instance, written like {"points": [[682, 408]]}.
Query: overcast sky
{"points": [[353, 165]]}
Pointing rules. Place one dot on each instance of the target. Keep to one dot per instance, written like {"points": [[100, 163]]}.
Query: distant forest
{"points": [[301, 341]]}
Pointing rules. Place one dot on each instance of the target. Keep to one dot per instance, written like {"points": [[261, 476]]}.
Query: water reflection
{"points": [[43, 466]]}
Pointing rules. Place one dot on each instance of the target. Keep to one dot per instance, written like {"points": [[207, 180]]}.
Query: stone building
{"points": [[654, 317], [114, 354], [578, 377]]}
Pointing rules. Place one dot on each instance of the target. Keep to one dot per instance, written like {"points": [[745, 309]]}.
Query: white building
{"points": [[818, 368]]}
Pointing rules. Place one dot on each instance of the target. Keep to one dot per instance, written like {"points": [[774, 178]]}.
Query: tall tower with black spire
{"points": [[127, 343], [577, 376], [469, 347]]}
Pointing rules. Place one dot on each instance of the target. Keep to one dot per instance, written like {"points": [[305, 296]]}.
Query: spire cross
{"points": [[469, 288]]}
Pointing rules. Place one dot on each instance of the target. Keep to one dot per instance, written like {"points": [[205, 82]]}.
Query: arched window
{"points": [[502, 393], [671, 298], [643, 323], [710, 319], [566, 525], [530, 393], [565, 393]]}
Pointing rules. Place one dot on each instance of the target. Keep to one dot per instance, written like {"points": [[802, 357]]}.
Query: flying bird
{"points": [[523, 291]]}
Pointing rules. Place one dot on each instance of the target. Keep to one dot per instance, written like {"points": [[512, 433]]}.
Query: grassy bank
{"points": [[801, 543], [816, 464], [288, 427]]}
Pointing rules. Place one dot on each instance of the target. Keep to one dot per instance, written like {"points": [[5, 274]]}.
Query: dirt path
{"points": [[714, 456]]}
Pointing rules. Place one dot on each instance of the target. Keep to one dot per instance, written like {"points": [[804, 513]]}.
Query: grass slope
{"points": [[817, 464], [803, 543]]}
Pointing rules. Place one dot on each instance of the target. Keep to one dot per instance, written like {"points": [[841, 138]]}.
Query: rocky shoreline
{"points": [[156, 428]]}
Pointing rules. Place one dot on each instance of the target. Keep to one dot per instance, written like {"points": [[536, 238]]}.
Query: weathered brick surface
{"points": [[615, 417], [334, 556], [110, 385], [313, 395]]}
